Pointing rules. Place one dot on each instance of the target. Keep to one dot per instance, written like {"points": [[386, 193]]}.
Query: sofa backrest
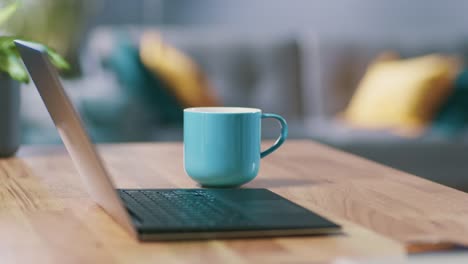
{"points": [[247, 69], [334, 65]]}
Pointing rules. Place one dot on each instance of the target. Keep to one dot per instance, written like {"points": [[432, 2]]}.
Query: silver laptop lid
{"points": [[77, 142]]}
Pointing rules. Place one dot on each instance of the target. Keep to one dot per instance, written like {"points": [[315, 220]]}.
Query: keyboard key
{"points": [[181, 208]]}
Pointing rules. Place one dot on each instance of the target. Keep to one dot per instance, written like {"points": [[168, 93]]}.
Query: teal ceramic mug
{"points": [[222, 144]]}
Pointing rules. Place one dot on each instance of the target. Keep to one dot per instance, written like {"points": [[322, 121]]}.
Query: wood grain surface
{"points": [[46, 216]]}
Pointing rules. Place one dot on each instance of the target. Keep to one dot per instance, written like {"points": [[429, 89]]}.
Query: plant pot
{"points": [[9, 116]]}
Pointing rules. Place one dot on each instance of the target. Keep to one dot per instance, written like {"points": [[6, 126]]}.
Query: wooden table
{"points": [[47, 216]]}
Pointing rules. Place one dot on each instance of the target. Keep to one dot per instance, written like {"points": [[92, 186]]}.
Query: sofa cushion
{"points": [[402, 93], [336, 64]]}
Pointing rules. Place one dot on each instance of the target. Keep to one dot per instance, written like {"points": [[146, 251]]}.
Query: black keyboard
{"points": [[181, 209]]}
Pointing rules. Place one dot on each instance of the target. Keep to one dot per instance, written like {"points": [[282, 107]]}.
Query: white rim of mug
{"points": [[222, 110]]}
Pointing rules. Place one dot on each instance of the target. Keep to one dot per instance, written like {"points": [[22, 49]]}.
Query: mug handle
{"points": [[281, 138]]}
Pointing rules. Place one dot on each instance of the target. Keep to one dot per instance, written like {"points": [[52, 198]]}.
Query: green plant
{"points": [[10, 60]]}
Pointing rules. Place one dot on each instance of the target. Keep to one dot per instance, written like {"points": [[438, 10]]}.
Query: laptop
{"points": [[166, 214]]}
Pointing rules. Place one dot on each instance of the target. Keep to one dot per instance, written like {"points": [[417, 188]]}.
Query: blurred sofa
{"points": [[307, 78], [341, 63], [247, 69]]}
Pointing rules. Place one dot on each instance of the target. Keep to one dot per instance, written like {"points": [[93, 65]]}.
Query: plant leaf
{"points": [[57, 60], [16, 69], [12, 65], [8, 11], [6, 42], [10, 59]]}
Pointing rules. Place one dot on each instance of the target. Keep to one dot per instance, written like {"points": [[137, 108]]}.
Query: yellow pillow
{"points": [[187, 82], [402, 94]]}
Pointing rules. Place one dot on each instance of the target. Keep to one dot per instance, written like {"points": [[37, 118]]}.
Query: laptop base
{"points": [[181, 214]]}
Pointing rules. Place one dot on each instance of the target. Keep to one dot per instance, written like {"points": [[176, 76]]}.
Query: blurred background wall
{"points": [[346, 18]]}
